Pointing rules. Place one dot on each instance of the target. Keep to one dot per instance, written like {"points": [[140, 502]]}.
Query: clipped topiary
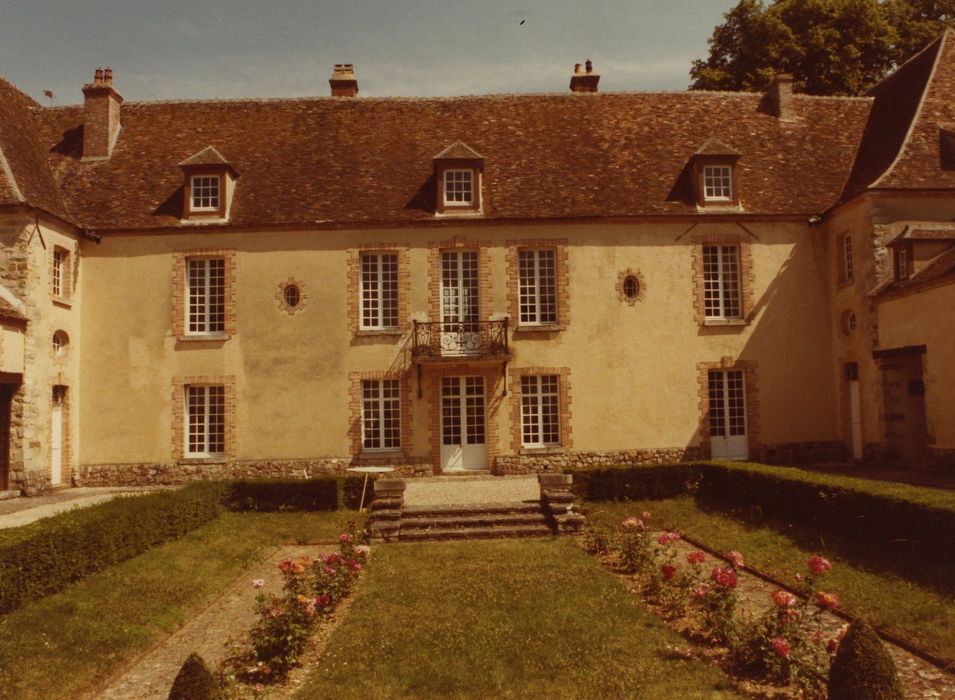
{"points": [[863, 669], [194, 681]]}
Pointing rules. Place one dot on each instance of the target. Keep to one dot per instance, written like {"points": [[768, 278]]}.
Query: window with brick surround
{"points": [[537, 286], [205, 420], [205, 296], [845, 258], [379, 290], [204, 192], [380, 414], [540, 410], [721, 282], [59, 273], [717, 183]]}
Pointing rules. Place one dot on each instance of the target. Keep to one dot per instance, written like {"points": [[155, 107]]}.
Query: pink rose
{"points": [[818, 564], [736, 559], [696, 557], [724, 577], [827, 600], [700, 591], [783, 599], [633, 523], [781, 647], [668, 571], [345, 537]]}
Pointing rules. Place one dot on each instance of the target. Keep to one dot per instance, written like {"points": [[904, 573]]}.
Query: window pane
{"points": [[537, 286], [721, 282], [540, 410], [458, 186], [380, 414], [206, 295], [205, 192]]}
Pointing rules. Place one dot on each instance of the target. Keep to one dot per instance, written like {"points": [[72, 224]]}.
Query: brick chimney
{"points": [[780, 97], [100, 115], [584, 79], [343, 81]]}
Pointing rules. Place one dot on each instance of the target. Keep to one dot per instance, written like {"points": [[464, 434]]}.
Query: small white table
{"points": [[366, 471]]}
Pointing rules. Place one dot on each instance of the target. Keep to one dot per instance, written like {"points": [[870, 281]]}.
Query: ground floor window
{"points": [[380, 414], [540, 410], [205, 420]]}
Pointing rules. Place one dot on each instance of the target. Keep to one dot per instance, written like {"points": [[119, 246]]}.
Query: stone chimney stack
{"points": [[584, 79], [343, 81], [780, 97], [100, 116]]}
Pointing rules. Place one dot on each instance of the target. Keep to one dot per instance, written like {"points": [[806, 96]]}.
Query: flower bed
{"points": [[789, 645]]}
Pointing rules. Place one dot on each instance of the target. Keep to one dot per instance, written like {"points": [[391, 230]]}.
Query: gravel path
{"points": [[208, 633], [463, 490], [23, 511]]}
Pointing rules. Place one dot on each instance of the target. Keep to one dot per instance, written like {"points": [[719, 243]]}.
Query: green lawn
{"points": [[923, 614], [531, 618], [64, 645]]}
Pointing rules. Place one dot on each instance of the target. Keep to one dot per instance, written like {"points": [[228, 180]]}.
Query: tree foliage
{"points": [[832, 47]]}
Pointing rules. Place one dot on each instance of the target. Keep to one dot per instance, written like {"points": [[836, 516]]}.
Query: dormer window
{"points": [[712, 168], [458, 172], [717, 183], [208, 188], [901, 263]]}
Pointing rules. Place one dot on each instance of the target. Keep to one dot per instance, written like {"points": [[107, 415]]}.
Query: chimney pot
{"points": [[343, 81], [108, 76], [590, 66], [584, 80], [101, 107], [578, 68], [780, 97], [98, 76]]}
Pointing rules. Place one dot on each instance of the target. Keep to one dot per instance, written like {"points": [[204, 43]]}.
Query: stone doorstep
{"points": [[475, 533]]}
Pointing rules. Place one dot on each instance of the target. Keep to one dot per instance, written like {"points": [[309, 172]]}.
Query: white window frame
{"points": [[60, 258], [378, 291], [540, 411], [468, 193], [846, 250], [537, 287], [204, 403], [205, 303], [724, 283], [716, 180], [198, 186], [380, 402]]}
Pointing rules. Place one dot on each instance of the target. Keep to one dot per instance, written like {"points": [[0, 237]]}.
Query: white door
{"points": [[463, 444], [727, 393], [460, 331], [56, 439], [855, 418]]}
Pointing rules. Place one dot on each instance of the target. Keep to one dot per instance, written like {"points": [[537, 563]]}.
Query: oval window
{"points": [[292, 296], [60, 341], [631, 287], [848, 322]]}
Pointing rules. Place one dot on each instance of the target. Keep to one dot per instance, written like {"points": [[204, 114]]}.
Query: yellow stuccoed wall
{"points": [[633, 369]]}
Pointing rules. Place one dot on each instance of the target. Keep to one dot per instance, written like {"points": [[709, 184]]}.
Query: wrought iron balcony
{"points": [[449, 341]]}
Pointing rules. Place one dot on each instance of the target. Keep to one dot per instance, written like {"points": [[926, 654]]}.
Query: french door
{"points": [[463, 423], [727, 395], [460, 314]]}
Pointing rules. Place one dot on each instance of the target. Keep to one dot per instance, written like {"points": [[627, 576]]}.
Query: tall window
{"points": [[379, 290], [540, 410], [59, 272], [380, 414], [204, 191], [458, 186], [205, 420], [845, 255], [902, 261], [537, 272], [206, 295], [717, 183], [721, 282]]}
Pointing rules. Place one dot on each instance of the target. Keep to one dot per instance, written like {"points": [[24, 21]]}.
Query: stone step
{"points": [[468, 520], [465, 509], [466, 533]]}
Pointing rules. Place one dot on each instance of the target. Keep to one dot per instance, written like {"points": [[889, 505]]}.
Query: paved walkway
{"points": [[464, 490], [23, 511]]}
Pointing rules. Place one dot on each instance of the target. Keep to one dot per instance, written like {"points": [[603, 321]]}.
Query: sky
{"points": [[205, 49]]}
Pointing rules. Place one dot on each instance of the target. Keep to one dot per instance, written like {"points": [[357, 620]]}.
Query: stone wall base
{"points": [[179, 473], [569, 461], [30, 483]]}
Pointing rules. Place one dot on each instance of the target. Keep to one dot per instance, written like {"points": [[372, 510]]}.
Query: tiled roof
{"points": [[927, 232], [24, 172], [940, 269], [354, 161]]}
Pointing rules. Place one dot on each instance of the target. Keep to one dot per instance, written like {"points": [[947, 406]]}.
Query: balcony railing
{"points": [[477, 340]]}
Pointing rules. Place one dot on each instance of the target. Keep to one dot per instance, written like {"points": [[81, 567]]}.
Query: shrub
{"points": [[863, 669], [634, 483], [46, 556], [318, 493], [193, 682]]}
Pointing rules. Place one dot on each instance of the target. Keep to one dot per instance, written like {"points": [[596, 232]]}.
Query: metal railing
{"points": [[477, 339]]}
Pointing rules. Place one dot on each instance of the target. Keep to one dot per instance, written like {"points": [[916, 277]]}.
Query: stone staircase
{"points": [[553, 513]]}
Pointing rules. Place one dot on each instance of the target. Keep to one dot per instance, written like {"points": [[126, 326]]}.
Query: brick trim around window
{"points": [[565, 395], [353, 289], [747, 278], [559, 246], [359, 456], [751, 393], [179, 286], [179, 385], [435, 248], [66, 446]]}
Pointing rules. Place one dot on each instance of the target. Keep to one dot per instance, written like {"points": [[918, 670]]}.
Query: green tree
{"points": [[832, 47]]}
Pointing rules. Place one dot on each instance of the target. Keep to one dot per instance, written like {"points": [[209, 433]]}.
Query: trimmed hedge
{"points": [[46, 556], [265, 495], [916, 521]]}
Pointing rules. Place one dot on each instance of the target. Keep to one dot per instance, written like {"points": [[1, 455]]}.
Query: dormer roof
{"points": [[459, 151], [208, 156], [715, 147]]}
